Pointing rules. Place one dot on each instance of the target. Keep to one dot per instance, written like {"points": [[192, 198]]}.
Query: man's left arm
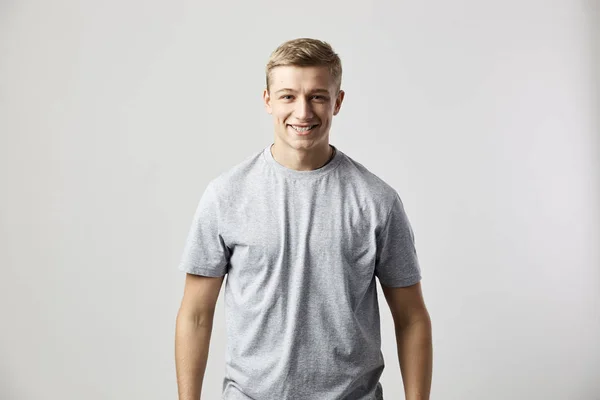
{"points": [[413, 338]]}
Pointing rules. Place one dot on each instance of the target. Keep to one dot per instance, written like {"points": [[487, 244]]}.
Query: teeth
{"points": [[302, 129]]}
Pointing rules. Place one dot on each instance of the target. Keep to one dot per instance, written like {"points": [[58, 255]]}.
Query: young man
{"points": [[302, 230]]}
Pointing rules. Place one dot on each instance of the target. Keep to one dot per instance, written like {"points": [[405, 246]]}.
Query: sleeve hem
{"points": [[408, 281], [202, 271]]}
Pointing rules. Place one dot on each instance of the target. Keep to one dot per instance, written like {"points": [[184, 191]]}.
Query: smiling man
{"points": [[302, 232], [303, 103]]}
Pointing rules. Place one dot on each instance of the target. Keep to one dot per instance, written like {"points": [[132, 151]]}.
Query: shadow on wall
{"points": [[7, 10], [592, 12]]}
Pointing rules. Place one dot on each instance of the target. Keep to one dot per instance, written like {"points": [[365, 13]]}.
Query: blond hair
{"points": [[305, 52]]}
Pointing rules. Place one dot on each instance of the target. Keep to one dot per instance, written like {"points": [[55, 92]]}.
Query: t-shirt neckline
{"points": [[311, 174]]}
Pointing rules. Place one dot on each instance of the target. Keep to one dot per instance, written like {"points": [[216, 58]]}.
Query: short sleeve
{"points": [[204, 252], [397, 264]]}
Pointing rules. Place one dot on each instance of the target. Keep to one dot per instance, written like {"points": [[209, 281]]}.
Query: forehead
{"points": [[299, 78]]}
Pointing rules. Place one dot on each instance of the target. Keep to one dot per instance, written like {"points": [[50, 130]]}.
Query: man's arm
{"points": [[192, 333], [413, 338]]}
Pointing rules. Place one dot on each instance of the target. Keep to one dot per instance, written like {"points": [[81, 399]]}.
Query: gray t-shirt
{"points": [[302, 250]]}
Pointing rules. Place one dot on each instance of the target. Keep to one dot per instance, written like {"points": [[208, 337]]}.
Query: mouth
{"points": [[302, 130]]}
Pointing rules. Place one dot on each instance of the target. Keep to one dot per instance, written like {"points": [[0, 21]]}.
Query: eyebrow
{"points": [[312, 91]]}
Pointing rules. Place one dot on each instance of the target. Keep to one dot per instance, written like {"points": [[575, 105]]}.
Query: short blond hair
{"points": [[305, 52]]}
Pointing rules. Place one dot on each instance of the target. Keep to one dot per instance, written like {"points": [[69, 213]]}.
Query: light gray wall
{"points": [[483, 115]]}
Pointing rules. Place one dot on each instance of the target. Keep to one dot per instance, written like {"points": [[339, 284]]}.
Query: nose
{"points": [[303, 110]]}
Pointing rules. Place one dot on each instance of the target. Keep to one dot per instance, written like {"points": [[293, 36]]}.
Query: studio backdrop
{"points": [[114, 116]]}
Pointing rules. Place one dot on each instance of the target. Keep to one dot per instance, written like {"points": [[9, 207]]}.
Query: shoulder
{"points": [[237, 176], [380, 192]]}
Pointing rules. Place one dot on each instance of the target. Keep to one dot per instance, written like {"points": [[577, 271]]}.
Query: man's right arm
{"points": [[192, 333]]}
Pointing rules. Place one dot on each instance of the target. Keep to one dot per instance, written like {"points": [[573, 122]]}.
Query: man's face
{"points": [[303, 96]]}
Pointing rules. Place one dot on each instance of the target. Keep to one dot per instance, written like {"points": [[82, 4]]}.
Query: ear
{"points": [[338, 102], [267, 101]]}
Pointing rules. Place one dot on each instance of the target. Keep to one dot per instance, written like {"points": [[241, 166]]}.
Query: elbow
{"points": [[199, 318], [420, 317]]}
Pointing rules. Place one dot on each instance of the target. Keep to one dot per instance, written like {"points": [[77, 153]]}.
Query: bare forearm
{"points": [[415, 354], [192, 340]]}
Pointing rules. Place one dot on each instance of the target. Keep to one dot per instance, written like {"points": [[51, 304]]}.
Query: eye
{"points": [[284, 96]]}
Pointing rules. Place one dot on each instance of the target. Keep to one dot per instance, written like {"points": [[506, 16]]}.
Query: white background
{"points": [[114, 115]]}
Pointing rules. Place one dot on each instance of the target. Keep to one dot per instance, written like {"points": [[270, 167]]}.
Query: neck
{"points": [[302, 159]]}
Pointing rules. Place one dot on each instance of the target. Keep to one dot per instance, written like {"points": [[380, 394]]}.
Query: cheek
{"points": [[282, 117], [280, 112], [324, 117]]}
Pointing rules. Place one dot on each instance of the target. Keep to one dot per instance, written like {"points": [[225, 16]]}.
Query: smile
{"points": [[303, 128]]}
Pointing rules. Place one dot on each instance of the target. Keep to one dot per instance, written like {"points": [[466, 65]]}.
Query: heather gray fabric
{"points": [[302, 250]]}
